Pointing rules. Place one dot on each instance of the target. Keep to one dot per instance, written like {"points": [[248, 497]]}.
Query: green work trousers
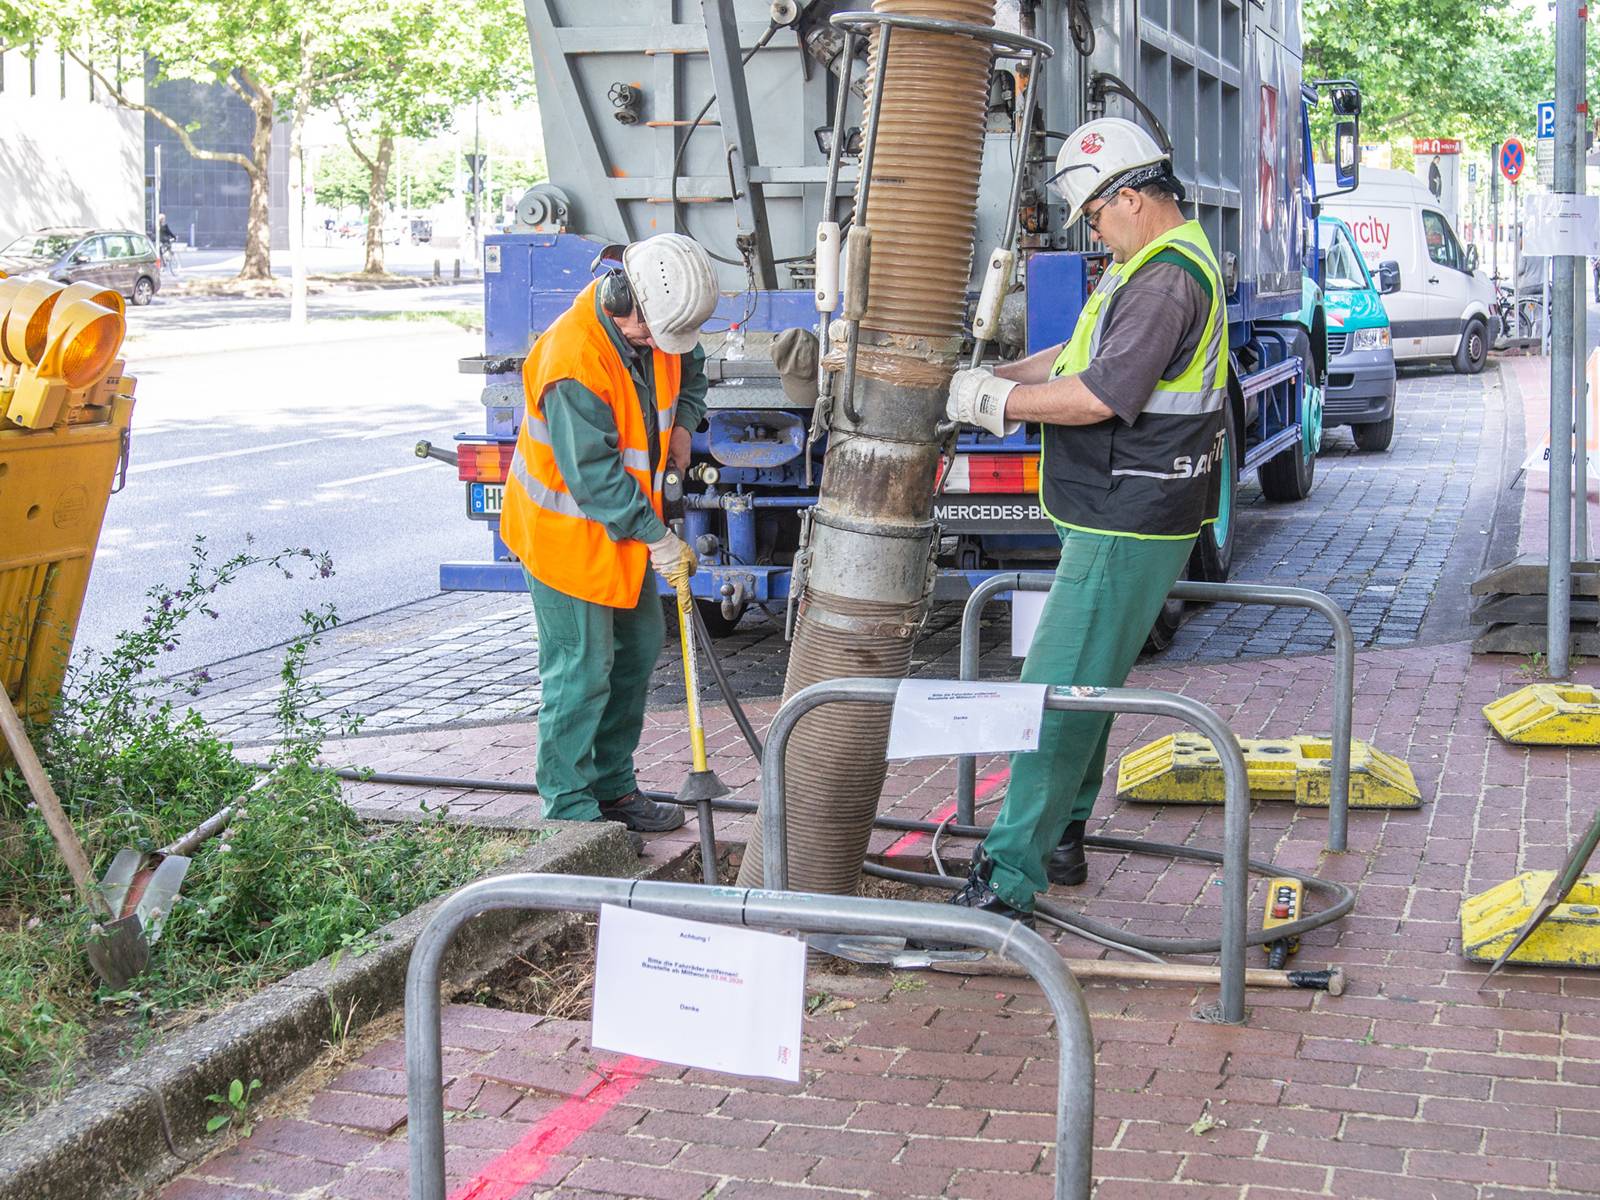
{"points": [[1107, 593], [594, 669]]}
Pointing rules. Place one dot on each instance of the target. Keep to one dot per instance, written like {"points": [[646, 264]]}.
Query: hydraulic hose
{"points": [[870, 536], [1343, 898]]}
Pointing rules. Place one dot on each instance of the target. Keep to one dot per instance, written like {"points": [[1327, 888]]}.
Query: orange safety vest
{"points": [[540, 522]]}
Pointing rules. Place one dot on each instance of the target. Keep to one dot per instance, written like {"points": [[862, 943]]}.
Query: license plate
{"points": [[484, 499]]}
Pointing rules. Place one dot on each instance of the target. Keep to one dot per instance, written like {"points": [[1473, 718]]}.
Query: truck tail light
{"points": [[996, 474], [480, 463]]}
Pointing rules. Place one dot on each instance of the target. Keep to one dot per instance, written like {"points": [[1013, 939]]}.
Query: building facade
{"points": [[69, 155]]}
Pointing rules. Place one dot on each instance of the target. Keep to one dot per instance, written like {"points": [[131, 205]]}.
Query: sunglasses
{"points": [[1093, 218]]}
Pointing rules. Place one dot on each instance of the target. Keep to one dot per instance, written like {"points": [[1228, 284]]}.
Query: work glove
{"points": [[978, 397], [673, 560]]}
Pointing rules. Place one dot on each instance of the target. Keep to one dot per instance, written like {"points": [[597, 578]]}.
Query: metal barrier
{"points": [[1235, 808], [773, 911], [1344, 672]]}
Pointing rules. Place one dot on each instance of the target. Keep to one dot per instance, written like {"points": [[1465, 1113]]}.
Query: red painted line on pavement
{"points": [[985, 788], [530, 1157]]}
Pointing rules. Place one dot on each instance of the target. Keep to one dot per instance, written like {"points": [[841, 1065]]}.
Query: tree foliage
{"points": [[1434, 68]]}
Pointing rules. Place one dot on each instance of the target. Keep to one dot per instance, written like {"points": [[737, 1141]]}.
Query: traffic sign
{"points": [[1546, 122], [1472, 172], [1512, 159]]}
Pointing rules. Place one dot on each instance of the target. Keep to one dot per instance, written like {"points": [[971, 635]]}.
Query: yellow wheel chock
{"points": [[1548, 714], [1567, 936], [1183, 768]]}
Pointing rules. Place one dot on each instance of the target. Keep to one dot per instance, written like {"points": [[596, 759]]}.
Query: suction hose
{"points": [[870, 540]]}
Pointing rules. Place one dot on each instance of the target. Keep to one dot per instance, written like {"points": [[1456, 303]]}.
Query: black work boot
{"points": [[975, 893], [1067, 865], [641, 814]]}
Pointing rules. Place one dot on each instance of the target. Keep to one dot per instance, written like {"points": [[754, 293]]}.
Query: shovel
{"points": [[131, 905]]}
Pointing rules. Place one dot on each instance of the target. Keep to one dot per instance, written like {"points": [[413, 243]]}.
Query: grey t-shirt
{"points": [[1152, 328]]}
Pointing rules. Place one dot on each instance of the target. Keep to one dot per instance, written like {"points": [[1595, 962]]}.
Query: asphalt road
{"points": [[309, 446]]}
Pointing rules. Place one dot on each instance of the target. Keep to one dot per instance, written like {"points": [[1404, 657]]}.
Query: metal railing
{"points": [[766, 910], [1235, 808], [1344, 672]]}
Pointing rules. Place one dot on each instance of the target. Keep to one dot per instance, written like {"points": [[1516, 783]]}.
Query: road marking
{"points": [[338, 483], [365, 435], [521, 1165], [985, 788]]}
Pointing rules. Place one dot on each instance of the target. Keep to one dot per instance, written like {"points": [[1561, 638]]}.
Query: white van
{"points": [[1442, 308]]}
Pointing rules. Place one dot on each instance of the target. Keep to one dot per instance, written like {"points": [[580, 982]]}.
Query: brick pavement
{"points": [[1413, 1083], [1380, 533]]}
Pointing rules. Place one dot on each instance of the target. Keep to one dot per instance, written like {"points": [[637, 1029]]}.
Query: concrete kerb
{"points": [[142, 1123]]}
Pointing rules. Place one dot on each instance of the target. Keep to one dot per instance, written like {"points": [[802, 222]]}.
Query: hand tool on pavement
{"points": [[1283, 906], [1560, 887], [131, 904], [1331, 981], [702, 786]]}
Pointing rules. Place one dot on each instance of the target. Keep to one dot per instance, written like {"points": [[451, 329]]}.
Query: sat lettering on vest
{"points": [[541, 523]]}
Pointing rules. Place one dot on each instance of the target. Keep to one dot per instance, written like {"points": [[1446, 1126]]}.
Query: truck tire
{"points": [[1289, 474], [1473, 352], [717, 625], [1375, 435], [1212, 558], [1168, 621]]}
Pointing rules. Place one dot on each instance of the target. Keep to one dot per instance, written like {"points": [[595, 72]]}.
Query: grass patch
{"points": [[295, 877]]}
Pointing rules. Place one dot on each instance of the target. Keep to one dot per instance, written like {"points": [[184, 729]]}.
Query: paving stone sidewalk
{"points": [[1412, 1084], [1384, 534]]}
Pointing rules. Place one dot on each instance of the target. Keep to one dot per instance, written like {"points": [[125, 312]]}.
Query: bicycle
{"points": [[1517, 317]]}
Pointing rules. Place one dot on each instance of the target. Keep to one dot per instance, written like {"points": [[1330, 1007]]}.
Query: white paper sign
{"points": [[699, 994], [939, 718], [1557, 224], [1026, 608]]}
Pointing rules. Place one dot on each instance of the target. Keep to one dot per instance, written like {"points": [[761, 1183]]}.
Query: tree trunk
{"points": [[258, 224], [377, 193]]}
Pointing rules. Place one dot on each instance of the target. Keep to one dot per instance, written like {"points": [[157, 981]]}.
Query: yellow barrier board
{"points": [[54, 486], [1183, 768], [1568, 937], [1548, 714]]}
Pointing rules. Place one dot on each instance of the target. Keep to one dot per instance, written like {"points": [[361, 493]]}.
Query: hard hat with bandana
{"points": [[1103, 156]]}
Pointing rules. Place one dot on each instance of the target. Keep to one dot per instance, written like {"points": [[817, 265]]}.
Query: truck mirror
{"points": [[1388, 276], [1472, 257], [1346, 153]]}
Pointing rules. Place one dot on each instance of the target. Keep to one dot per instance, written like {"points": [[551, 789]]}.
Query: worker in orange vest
{"points": [[613, 387]]}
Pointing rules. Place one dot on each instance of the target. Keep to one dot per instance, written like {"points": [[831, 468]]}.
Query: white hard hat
{"points": [[1108, 152], [674, 286]]}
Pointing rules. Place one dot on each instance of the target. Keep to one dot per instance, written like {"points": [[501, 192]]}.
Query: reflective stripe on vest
{"points": [[540, 522], [1156, 478]]}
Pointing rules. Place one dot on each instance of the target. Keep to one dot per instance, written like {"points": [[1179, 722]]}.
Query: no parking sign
{"points": [[1512, 159]]}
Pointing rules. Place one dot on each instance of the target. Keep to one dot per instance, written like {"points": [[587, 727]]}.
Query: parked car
{"points": [[1443, 306], [111, 258], [1361, 378]]}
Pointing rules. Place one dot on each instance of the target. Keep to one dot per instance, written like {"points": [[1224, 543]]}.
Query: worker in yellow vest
{"points": [[1131, 414], [614, 387]]}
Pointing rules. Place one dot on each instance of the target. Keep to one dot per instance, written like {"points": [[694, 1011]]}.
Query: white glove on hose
{"points": [[672, 558], [978, 397]]}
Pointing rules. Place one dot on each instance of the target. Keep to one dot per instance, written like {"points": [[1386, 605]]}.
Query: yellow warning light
{"points": [[25, 308], [57, 342]]}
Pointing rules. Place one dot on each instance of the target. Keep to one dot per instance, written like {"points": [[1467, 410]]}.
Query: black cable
{"points": [[678, 213]]}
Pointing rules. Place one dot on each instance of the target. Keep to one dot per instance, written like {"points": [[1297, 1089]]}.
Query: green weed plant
{"points": [[294, 878]]}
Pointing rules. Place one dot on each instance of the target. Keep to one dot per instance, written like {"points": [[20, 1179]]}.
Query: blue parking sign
{"points": [[1547, 119]]}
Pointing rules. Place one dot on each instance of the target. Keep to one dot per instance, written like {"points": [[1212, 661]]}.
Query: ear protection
{"points": [[616, 293]]}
